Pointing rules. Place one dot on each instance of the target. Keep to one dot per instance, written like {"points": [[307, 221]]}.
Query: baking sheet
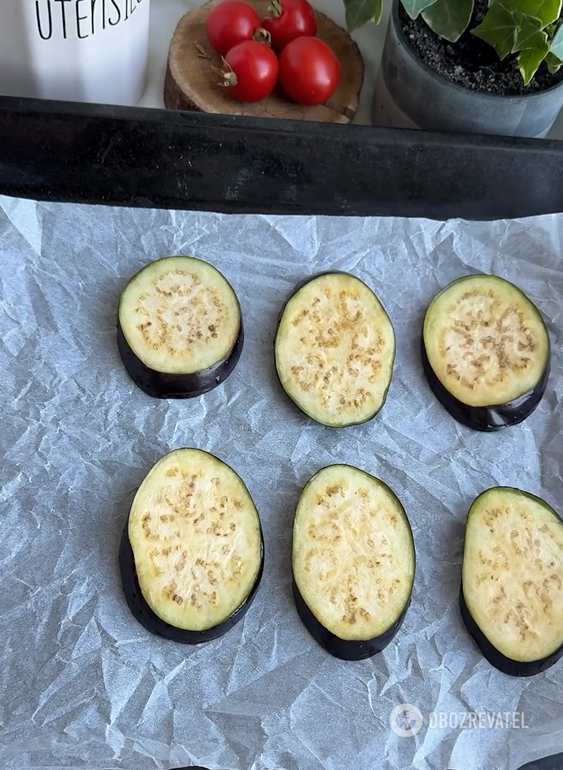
{"points": [[82, 683]]}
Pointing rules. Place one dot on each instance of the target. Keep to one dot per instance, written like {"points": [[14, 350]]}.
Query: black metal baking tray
{"points": [[98, 154], [554, 762], [62, 151]]}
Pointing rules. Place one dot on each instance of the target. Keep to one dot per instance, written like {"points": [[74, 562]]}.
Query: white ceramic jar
{"points": [[79, 50]]}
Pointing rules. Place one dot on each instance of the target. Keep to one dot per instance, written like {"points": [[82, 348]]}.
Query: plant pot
{"points": [[410, 94]]}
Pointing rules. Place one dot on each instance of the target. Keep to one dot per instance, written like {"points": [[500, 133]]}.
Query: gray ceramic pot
{"points": [[409, 94]]}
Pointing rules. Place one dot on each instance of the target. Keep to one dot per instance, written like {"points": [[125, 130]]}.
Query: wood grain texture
{"points": [[191, 84]]}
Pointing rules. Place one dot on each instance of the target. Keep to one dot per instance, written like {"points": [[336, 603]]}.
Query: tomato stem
{"points": [[275, 9], [228, 77], [262, 35]]}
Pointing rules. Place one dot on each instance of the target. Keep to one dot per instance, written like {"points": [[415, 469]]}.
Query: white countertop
{"points": [[165, 14]]}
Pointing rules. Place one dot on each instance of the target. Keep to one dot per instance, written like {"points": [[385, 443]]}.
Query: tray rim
{"points": [[157, 158]]}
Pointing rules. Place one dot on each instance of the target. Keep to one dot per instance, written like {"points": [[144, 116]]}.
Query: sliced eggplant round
{"points": [[192, 552], [512, 580], [335, 349], [485, 352], [353, 562], [179, 331]]}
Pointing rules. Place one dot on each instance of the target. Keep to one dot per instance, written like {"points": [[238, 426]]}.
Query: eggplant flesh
{"points": [[344, 648], [165, 385], [155, 625], [192, 552], [511, 597], [335, 350], [487, 418], [485, 352], [501, 662], [353, 562], [179, 330]]}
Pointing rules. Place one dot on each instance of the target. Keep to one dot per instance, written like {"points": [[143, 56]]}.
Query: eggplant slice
{"points": [[179, 330], [353, 562], [512, 580], [485, 352], [334, 350], [192, 553]]}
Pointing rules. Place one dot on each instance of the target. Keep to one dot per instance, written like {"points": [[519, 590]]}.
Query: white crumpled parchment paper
{"points": [[83, 685]]}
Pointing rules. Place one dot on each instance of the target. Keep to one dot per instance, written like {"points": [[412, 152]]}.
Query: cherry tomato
{"points": [[229, 23], [309, 70], [289, 19], [251, 71]]}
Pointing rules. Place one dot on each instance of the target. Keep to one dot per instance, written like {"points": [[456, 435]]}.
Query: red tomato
{"points": [[289, 19], [309, 70], [251, 71], [229, 23]]}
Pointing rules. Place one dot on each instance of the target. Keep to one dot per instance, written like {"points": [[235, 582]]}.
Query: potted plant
{"points": [[478, 66]]}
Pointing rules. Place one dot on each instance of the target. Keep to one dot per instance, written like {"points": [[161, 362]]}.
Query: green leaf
{"points": [[553, 63], [359, 12], [498, 28], [414, 7], [530, 35], [547, 11], [449, 18], [519, 26], [529, 62], [556, 47]]}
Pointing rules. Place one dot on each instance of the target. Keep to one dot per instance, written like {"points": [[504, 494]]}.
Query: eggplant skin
{"points": [[342, 648], [497, 659], [487, 418], [294, 291], [165, 385], [147, 618]]}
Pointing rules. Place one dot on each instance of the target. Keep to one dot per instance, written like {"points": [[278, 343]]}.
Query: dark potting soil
{"points": [[471, 62]]}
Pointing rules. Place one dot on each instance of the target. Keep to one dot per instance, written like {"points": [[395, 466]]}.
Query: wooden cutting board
{"points": [[191, 84]]}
